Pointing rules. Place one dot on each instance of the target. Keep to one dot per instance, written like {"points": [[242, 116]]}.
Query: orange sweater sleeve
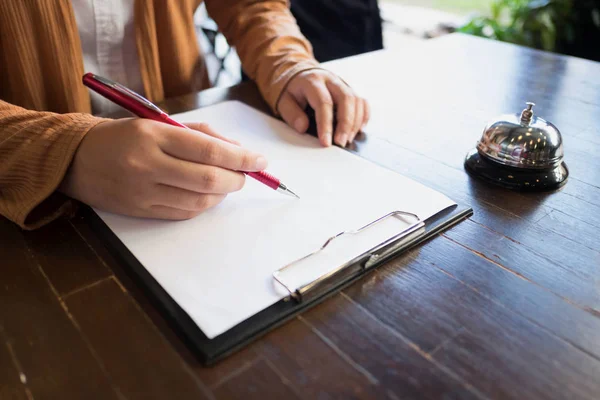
{"points": [[267, 39], [36, 149]]}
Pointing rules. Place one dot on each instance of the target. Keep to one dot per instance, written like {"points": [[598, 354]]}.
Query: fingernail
{"points": [[298, 125], [261, 163], [328, 138], [343, 140]]}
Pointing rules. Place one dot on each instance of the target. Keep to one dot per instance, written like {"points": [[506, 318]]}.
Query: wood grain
{"points": [[501, 339], [65, 258], [13, 385], [564, 267], [53, 357], [254, 382], [591, 134], [573, 324], [507, 213], [322, 371], [583, 191], [572, 229], [412, 302], [154, 370], [394, 361], [505, 370], [502, 306], [216, 375], [443, 129]]}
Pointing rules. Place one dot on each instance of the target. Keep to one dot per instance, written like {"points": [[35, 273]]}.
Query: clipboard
{"points": [[301, 298]]}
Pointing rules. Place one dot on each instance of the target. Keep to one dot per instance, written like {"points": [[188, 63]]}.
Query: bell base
{"points": [[526, 180]]}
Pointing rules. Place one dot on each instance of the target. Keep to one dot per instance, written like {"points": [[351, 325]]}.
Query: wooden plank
{"points": [[579, 198], [490, 204], [452, 182], [399, 366], [582, 159], [512, 344], [410, 302], [255, 382], [583, 191], [515, 293], [562, 87], [210, 376], [231, 366], [578, 207], [592, 134], [313, 367], [562, 266], [520, 369], [97, 243], [444, 132], [54, 358], [13, 383], [137, 357], [64, 256], [569, 228]]}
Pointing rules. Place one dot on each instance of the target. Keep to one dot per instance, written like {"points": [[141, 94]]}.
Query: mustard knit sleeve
{"points": [[36, 149], [268, 41]]}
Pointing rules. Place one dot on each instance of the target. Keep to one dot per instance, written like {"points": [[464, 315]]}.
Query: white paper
{"points": [[218, 266]]}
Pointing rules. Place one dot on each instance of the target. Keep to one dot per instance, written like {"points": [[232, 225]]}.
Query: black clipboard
{"points": [[208, 351]]}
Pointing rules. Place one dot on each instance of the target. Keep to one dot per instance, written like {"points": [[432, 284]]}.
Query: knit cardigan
{"points": [[45, 109]]}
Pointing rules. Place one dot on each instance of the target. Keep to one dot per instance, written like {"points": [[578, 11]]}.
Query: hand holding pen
{"points": [[143, 108], [145, 168]]}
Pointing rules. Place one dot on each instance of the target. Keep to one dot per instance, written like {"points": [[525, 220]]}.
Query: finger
{"points": [[174, 197], [198, 177], [292, 113], [345, 102], [358, 118], [367, 114], [165, 212], [320, 100], [207, 129], [186, 145]]}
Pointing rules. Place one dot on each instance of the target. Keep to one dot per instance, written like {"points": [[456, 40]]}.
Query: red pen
{"points": [[143, 108]]}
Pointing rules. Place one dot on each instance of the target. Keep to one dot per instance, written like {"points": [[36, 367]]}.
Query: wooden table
{"points": [[504, 305]]}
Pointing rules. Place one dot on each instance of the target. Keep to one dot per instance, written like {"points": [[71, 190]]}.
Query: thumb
{"points": [[292, 114], [205, 128]]}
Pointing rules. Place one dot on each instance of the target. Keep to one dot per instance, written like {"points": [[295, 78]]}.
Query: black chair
{"points": [[211, 33], [339, 28]]}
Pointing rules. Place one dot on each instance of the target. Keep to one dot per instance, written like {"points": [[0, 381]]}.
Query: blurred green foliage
{"points": [[564, 26]]}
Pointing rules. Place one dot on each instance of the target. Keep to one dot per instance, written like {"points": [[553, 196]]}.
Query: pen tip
{"points": [[283, 189], [293, 194]]}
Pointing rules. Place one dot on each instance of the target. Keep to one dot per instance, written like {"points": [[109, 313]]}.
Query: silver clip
{"points": [[128, 92], [297, 293]]}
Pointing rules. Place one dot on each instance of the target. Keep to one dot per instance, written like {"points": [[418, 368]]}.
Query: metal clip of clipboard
{"points": [[364, 261]]}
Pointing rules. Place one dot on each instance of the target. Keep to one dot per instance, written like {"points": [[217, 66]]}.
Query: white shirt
{"points": [[107, 34]]}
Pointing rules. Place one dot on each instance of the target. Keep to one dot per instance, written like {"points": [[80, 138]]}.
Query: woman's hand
{"points": [[144, 168], [323, 91]]}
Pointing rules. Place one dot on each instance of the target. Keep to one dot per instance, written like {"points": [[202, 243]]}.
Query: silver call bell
{"points": [[521, 152]]}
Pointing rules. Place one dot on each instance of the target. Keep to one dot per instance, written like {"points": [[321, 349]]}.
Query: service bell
{"points": [[521, 152]]}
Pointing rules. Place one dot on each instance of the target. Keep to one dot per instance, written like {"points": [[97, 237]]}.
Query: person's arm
{"points": [[130, 166], [36, 149], [268, 41], [276, 55]]}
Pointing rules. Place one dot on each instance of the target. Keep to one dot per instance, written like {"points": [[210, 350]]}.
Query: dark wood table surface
{"points": [[504, 305]]}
